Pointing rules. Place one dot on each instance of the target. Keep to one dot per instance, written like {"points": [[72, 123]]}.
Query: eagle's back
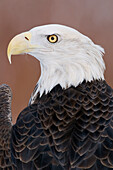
{"points": [[66, 129]]}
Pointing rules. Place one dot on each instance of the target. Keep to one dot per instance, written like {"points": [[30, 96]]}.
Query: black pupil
{"points": [[52, 38]]}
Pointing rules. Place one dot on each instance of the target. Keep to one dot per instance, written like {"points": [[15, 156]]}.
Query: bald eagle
{"points": [[68, 124]]}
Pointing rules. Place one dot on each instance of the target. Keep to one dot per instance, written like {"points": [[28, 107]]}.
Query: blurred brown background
{"points": [[93, 18]]}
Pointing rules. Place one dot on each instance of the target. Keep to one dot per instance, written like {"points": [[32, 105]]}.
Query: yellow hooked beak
{"points": [[20, 44]]}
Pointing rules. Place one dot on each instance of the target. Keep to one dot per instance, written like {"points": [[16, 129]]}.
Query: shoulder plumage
{"points": [[67, 127]]}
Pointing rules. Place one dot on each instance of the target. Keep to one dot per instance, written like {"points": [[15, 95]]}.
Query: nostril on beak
{"points": [[27, 38]]}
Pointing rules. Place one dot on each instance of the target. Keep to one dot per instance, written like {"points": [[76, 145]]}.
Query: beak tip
{"points": [[9, 62], [9, 58]]}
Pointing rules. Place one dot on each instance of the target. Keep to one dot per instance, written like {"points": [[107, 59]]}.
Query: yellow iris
{"points": [[52, 38]]}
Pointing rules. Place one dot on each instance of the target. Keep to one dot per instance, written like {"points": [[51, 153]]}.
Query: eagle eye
{"points": [[52, 38]]}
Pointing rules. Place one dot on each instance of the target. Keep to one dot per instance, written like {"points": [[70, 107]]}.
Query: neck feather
{"points": [[66, 74], [70, 70]]}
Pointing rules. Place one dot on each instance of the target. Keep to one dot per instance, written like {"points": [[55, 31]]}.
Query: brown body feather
{"points": [[68, 129], [5, 128]]}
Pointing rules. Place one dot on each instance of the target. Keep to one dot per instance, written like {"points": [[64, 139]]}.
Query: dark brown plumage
{"points": [[5, 127], [66, 129]]}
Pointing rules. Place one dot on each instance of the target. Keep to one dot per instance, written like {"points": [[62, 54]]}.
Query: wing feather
{"points": [[67, 129], [5, 127]]}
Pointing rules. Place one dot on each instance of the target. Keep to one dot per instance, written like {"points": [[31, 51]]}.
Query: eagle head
{"points": [[67, 57]]}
